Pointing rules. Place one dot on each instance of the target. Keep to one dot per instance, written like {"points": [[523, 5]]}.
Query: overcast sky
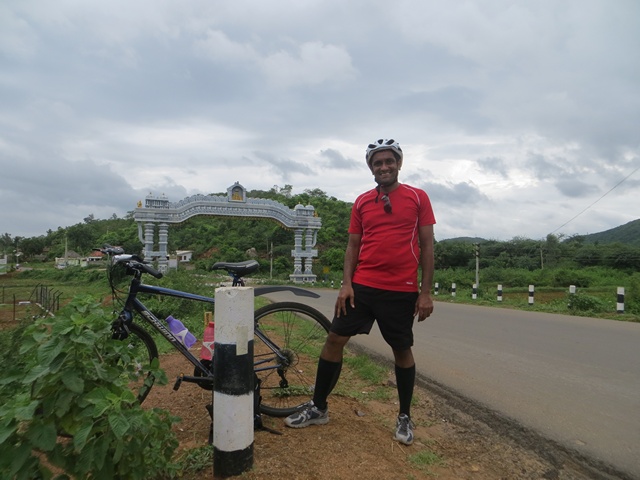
{"points": [[515, 116]]}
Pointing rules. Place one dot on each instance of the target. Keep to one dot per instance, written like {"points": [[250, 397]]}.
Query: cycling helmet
{"points": [[383, 144]]}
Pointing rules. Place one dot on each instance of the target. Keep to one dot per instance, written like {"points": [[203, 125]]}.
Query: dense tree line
{"points": [[524, 253], [221, 238]]}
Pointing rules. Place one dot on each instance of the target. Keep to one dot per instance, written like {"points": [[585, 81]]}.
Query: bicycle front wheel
{"points": [[136, 357], [286, 360]]}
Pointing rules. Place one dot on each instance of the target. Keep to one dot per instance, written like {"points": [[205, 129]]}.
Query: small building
{"points": [[71, 259], [95, 256], [184, 256]]}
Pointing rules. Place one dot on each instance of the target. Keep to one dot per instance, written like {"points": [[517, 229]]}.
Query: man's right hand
{"points": [[345, 295]]}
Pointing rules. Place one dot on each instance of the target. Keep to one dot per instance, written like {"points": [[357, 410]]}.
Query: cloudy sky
{"points": [[519, 118]]}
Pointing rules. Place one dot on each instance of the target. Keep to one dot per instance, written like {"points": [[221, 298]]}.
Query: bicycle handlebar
{"points": [[132, 261]]}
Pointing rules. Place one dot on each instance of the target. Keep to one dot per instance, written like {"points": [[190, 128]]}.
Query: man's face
{"points": [[385, 167]]}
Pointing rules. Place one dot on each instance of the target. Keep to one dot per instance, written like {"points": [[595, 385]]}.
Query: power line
{"points": [[607, 193]]}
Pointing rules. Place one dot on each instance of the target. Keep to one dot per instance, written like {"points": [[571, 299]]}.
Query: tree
{"points": [[32, 246], [453, 254], [588, 256]]}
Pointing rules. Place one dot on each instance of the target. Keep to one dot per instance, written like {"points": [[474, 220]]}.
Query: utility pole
{"points": [[477, 245]]}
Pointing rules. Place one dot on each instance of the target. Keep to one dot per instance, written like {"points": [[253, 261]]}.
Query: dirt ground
{"points": [[358, 440], [454, 440]]}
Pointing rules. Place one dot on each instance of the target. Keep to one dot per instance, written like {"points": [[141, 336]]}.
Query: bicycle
{"points": [[287, 343]]}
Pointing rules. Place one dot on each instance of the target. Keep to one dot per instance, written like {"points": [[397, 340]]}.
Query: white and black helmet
{"points": [[383, 144]]}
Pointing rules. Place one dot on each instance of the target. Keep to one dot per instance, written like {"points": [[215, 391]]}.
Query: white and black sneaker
{"points": [[310, 415], [404, 429]]}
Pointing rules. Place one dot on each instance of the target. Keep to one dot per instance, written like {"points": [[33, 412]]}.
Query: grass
{"points": [[602, 304], [366, 369], [196, 460], [424, 459]]}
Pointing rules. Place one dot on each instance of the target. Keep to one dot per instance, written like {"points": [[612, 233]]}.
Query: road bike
{"points": [[287, 343]]}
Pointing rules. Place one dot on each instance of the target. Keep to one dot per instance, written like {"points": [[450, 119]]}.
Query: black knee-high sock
{"points": [[405, 378], [326, 378]]}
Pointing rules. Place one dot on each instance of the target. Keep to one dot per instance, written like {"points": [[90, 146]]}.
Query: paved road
{"points": [[575, 380]]}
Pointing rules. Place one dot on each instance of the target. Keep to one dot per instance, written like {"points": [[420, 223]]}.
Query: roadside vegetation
{"points": [[595, 264], [51, 383]]}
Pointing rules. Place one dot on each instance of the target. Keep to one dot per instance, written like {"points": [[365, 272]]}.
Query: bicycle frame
{"points": [[134, 304]]}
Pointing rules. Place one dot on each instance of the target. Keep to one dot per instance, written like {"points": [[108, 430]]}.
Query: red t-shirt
{"points": [[389, 252]]}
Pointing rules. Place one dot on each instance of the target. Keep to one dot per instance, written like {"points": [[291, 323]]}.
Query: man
{"points": [[390, 236]]}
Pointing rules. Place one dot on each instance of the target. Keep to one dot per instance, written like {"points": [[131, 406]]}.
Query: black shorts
{"points": [[394, 312]]}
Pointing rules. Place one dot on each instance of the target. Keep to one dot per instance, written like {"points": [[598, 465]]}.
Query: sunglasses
{"points": [[387, 203]]}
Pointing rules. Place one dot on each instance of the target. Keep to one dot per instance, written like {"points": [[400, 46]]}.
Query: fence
{"points": [[13, 305], [47, 299], [617, 294]]}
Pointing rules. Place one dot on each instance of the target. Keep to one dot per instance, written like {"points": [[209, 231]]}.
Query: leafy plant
{"points": [[65, 403], [581, 302], [196, 460]]}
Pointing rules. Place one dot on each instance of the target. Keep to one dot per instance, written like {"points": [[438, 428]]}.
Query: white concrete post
{"points": [[620, 302], [531, 290], [233, 386]]}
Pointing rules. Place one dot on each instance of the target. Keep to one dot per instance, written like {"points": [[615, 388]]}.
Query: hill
{"points": [[628, 234], [464, 240]]}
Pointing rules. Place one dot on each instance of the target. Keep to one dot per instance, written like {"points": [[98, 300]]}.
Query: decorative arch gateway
{"points": [[159, 212]]}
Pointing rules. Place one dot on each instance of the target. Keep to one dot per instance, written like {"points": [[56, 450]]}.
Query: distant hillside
{"points": [[464, 240], [628, 234]]}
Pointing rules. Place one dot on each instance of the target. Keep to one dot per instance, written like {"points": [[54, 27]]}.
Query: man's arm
{"points": [[424, 304], [350, 263]]}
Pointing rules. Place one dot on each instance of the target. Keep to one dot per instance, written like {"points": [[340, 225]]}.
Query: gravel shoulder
{"points": [[455, 439]]}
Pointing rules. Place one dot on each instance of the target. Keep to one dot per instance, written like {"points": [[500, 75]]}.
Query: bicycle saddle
{"points": [[237, 268]]}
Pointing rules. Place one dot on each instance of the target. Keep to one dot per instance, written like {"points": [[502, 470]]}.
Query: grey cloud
{"points": [[183, 94], [45, 195], [543, 168], [456, 104], [338, 161], [455, 194], [283, 166], [494, 165], [576, 188]]}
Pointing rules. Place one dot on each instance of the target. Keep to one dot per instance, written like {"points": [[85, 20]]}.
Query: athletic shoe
{"points": [[310, 415], [404, 429]]}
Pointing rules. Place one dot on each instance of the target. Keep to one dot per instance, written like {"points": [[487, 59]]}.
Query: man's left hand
{"points": [[424, 306]]}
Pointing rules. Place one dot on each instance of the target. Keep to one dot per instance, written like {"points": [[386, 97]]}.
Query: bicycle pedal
{"points": [[176, 385]]}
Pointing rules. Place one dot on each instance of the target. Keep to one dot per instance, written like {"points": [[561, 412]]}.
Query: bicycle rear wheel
{"points": [[287, 374], [136, 359]]}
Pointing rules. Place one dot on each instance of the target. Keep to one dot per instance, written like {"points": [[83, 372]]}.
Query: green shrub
{"points": [[461, 277], [632, 295], [581, 302], [61, 376], [565, 277]]}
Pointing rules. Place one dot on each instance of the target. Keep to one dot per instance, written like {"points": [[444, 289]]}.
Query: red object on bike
{"points": [[206, 353]]}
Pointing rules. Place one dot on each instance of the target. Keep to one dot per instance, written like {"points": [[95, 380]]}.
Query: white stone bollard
{"points": [[620, 302], [233, 387]]}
